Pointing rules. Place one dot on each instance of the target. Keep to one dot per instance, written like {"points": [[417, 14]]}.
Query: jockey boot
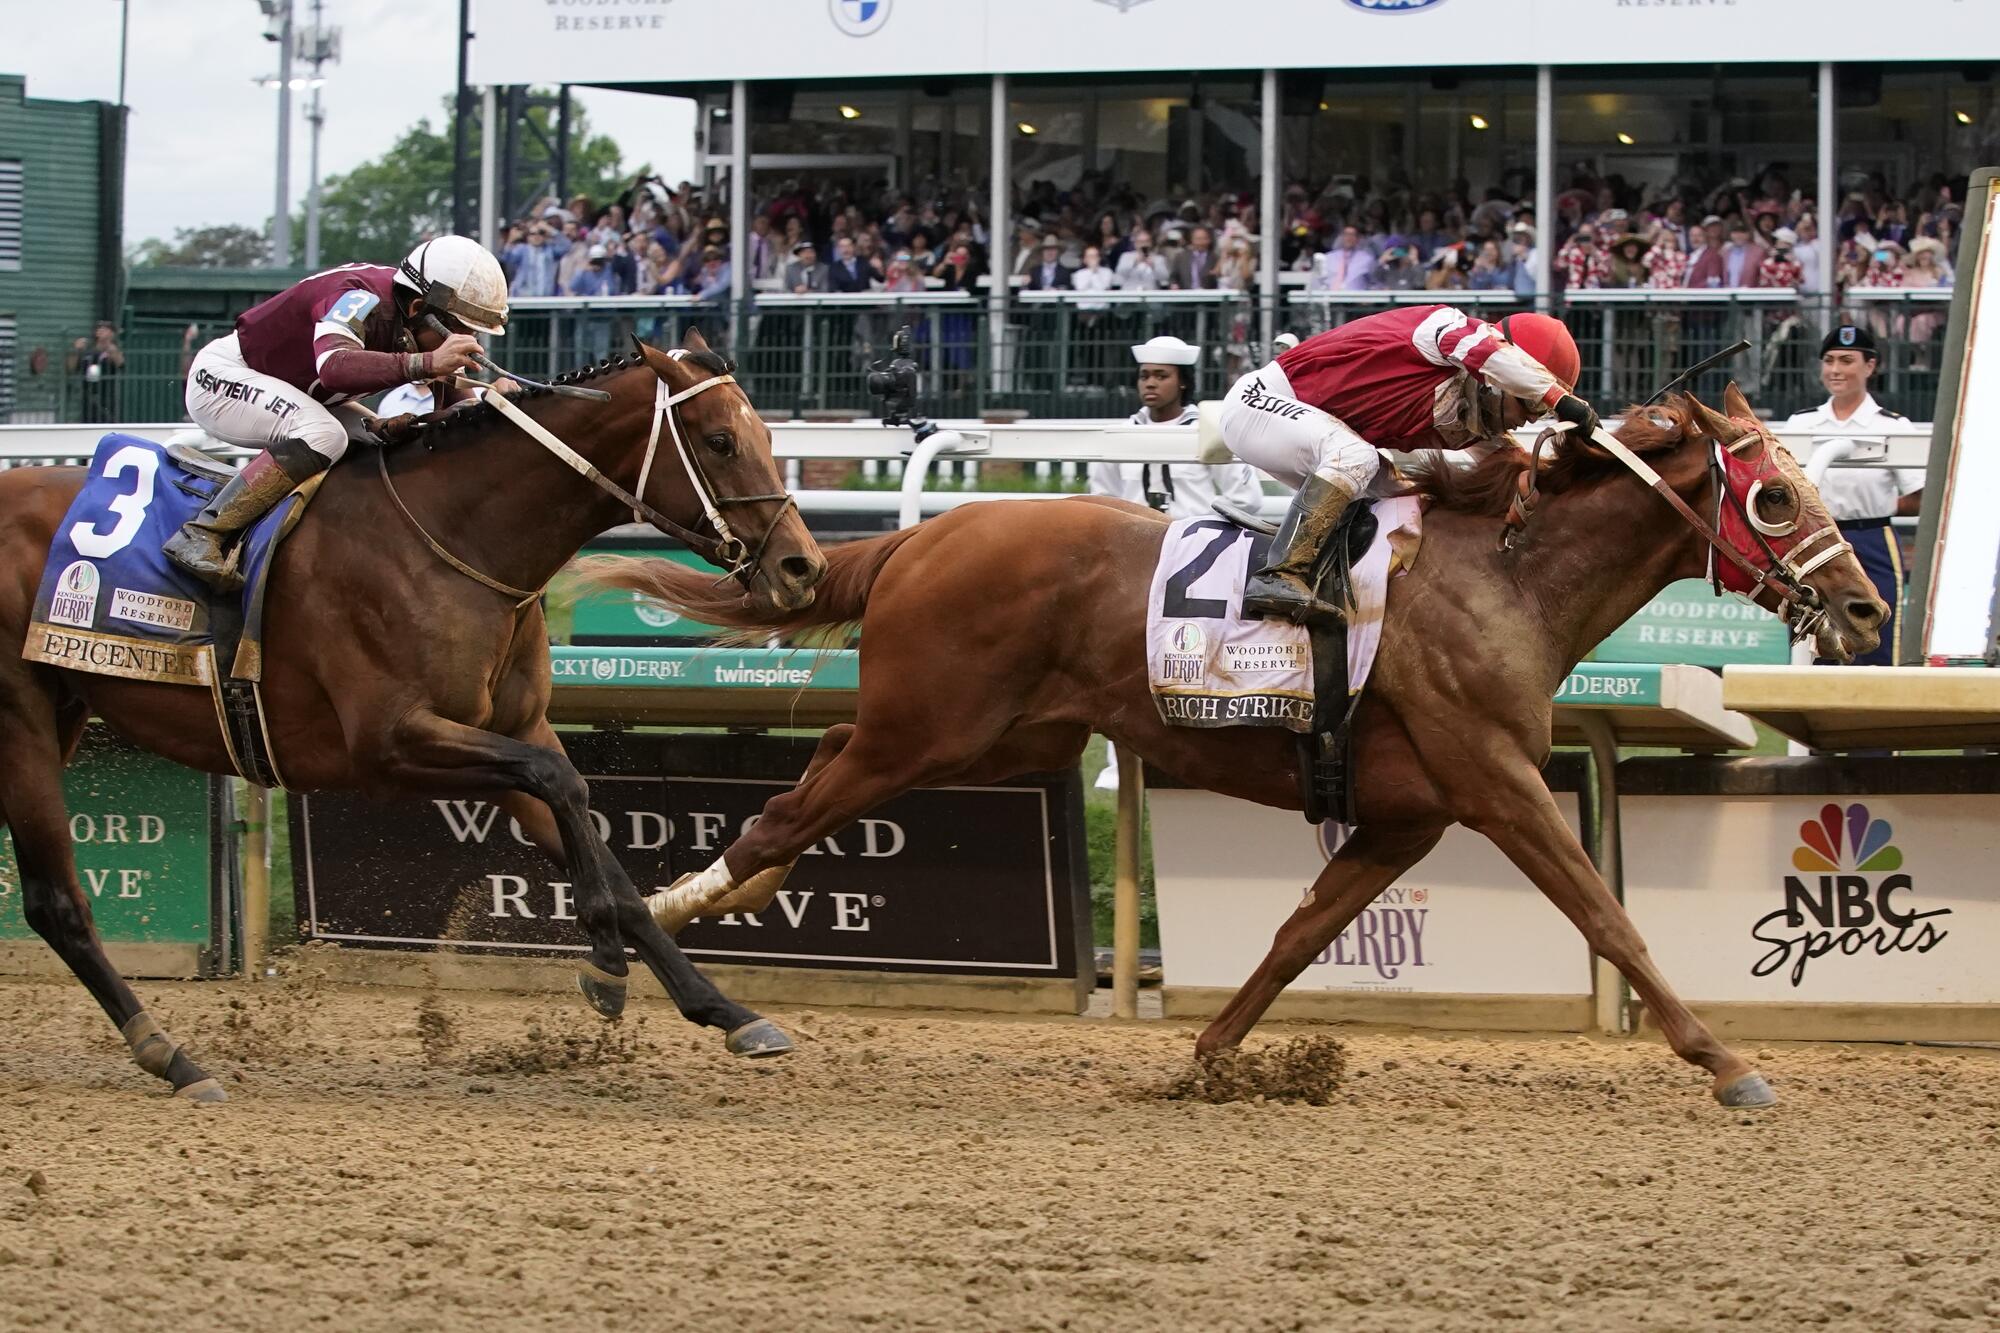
{"points": [[1282, 589], [266, 479]]}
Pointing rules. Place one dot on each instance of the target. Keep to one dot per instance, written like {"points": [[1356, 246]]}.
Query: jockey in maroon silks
{"points": [[1414, 377], [285, 379]]}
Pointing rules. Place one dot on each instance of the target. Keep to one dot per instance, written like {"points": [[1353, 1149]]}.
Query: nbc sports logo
{"points": [[859, 18], [1846, 900]]}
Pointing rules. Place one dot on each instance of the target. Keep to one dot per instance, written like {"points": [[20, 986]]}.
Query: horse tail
{"points": [[838, 601]]}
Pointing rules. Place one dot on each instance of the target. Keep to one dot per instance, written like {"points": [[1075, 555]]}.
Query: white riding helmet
{"points": [[456, 276]]}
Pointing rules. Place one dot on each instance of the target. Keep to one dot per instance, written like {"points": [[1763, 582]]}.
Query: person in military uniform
{"points": [[1863, 500]]}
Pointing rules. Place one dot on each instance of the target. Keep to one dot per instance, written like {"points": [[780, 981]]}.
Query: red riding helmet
{"points": [[1544, 338]]}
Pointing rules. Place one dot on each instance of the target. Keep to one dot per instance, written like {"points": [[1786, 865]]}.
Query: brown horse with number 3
{"points": [[999, 636], [390, 670]]}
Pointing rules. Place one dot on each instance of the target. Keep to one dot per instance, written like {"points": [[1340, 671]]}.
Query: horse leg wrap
{"points": [[152, 1048], [690, 896]]}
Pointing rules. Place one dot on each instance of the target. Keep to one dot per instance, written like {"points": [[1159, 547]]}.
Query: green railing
{"points": [[1064, 355]]}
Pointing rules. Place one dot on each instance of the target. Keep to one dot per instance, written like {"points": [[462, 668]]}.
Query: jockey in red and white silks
{"points": [[1414, 377], [282, 381]]}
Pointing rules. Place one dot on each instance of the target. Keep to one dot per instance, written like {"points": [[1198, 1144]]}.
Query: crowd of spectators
{"points": [[1099, 236]]}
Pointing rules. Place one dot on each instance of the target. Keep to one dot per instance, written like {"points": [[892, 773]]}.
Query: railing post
{"points": [[1125, 885]]}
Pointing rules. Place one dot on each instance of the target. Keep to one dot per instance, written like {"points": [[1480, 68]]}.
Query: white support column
{"points": [[1267, 212], [739, 209], [1829, 184], [489, 162], [1545, 184], [1000, 229]]}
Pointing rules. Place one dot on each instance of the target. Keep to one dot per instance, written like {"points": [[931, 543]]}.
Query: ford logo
{"points": [[1393, 6]]}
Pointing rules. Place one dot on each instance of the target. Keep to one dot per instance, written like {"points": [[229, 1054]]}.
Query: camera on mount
{"points": [[895, 382]]}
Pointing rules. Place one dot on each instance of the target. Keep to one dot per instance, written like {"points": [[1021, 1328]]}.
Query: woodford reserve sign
{"points": [[968, 880], [152, 859]]}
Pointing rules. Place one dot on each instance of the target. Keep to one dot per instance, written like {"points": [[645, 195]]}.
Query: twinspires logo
{"points": [[1829, 912], [859, 18]]}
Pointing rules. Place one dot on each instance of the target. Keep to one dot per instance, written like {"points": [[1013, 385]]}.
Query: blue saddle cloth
{"points": [[111, 603]]}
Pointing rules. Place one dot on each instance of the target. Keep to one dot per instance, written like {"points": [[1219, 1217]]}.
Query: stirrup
{"points": [[1273, 597], [223, 573]]}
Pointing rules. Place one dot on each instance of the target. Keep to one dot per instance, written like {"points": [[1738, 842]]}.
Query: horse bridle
{"points": [[725, 549], [1800, 605]]}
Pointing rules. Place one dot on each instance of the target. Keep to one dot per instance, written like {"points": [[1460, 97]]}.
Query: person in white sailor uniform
{"points": [[1862, 500], [1181, 490], [1166, 398]]}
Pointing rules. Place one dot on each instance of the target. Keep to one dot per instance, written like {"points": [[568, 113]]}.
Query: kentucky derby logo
{"points": [[75, 600], [1186, 655], [1393, 6], [859, 18], [1845, 900]]}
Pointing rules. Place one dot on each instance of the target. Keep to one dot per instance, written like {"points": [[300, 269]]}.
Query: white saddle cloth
{"points": [[1210, 667]]}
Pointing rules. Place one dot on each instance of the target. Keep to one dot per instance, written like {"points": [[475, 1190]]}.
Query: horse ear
{"points": [[1711, 423], [662, 364], [694, 342], [1736, 405]]}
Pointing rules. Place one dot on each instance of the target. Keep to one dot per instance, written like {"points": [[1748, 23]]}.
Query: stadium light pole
{"points": [[280, 14], [323, 46], [461, 210], [124, 34]]}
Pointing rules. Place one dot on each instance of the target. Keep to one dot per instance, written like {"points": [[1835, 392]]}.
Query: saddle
{"points": [[109, 602], [1326, 788]]}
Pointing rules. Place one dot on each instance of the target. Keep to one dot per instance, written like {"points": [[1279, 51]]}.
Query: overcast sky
{"points": [[203, 146]]}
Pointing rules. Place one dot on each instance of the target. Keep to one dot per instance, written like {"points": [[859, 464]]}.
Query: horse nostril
{"points": [[804, 570], [1865, 611]]}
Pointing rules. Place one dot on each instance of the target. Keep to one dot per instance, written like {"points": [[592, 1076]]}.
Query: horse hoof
{"points": [[205, 1091], [605, 992], [1747, 1090], [759, 1039]]}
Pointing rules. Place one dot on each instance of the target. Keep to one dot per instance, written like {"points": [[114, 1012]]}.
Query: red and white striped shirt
{"points": [[1380, 374]]}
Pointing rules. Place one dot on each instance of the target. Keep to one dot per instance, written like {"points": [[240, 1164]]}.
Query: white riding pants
{"points": [[1266, 426], [247, 407]]}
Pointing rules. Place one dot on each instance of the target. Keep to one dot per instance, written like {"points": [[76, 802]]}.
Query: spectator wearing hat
{"points": [[594, 279], [1780, 266], [1581, 263], [1626, 266], [1706, 266], [1346, 267], [1524, 259], [1166, 397], [805, 273], [1862, 500], [1050, 274]]}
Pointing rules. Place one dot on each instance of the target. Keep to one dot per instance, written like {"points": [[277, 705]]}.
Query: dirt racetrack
{"points": [[390, 1160]]}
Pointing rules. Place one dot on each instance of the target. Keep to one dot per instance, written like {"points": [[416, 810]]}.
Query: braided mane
{"points": [[449, 419]]}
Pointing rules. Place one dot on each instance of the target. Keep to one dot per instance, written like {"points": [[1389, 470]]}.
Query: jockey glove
{"points": [[1574, 410]]}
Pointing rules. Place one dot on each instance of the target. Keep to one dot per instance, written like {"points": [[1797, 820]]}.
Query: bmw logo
{"points": [[859, 18]]}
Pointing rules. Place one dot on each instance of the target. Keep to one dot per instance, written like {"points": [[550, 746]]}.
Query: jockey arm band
{"points": [[352, 370], [1451, 338]]}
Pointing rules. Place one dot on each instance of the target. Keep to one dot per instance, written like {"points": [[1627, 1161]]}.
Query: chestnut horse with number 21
{"points": [[999, 636], [405, 650]]}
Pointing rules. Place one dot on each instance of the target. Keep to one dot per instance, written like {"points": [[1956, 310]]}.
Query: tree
{"points": [[226, 246], [380, 210]]}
